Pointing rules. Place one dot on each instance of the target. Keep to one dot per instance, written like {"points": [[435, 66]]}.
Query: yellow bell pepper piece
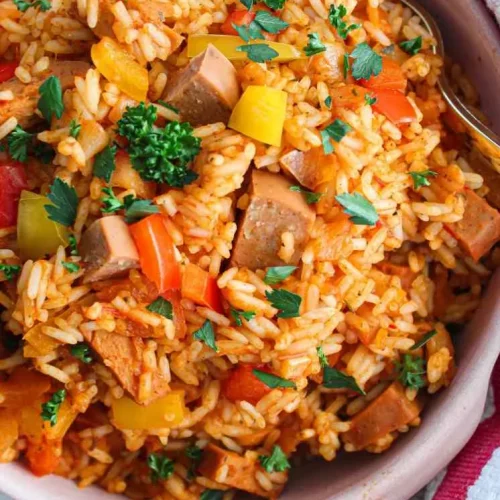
{"points": [[37, 235], [167, 411], [120, 68], [260, 114], [227, 44]]}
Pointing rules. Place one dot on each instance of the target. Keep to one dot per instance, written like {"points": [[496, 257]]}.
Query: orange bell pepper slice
{"points": [[156, 252], [390, 78], [201, 288], [394, 105]]}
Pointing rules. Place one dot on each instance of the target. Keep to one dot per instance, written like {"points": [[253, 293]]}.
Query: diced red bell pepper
{"points": [[390, 78], [7, 70], [12, 182], [394, 105], [201, 288], [157, 252], [44, 457], [243, 385]]}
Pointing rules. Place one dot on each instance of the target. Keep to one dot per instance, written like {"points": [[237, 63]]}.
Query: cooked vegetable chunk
{"points": [[273, 210], [108, 249], [304, 166], [206, 90]]}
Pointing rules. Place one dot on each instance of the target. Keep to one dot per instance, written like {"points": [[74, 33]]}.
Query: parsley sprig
{"points": [[10, 271], [336, 131], [367, 62], [258, 52], [195, 453], [65, 203], [413, 46], [310, 196], [411, 370], [335, 16], [263, 21], [135, 209], [82, 352], [23, 6], [276, 461], [161, 467], [236, 314], [428, 336], [50, 409], [359, 208], [160, 155], [74, 129], [105, 164], [206, 335], [212, 494], [314, 45], [273, 381], [422, 178], [275, 275], [71, 267], [19, 142], [162, 307], [287, 302], [51, 102]]}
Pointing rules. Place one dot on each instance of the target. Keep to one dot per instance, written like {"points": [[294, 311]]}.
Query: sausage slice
{"points": [[206, 90], [273, 209], [479, 229], [26, 96], [108, 249], [390, 411]]}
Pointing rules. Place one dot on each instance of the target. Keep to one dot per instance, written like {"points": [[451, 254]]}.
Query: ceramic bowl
{"points": [[472, 39]]}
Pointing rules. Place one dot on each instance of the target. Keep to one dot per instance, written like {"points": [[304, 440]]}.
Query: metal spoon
{"points": [[484, 144]]}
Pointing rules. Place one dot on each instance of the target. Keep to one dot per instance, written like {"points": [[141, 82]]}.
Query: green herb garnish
{"points": [[206, 335], [161, 467], [51, 407], [258, 52], [237, 315], [314, 46], [275, 4], [275, 462], [10, 271], [51, 102], [410, 371], [65, 203], [71, 267], [367, 62], [23, 6], [212, 494], [159, 155], [275, 275], [19, 142], [82, 352], [73, 245], [44, 152], [421, 178], [287, 302], [413, 46], [335, 17], [323, 360], [336, 131], [168, 106], [269, 23], [359, 208], [74, 128], [104, 164], [161, 306], [428, 336], [250, 32], [370, 100], [136, 209], [273, 381], [335, 379], [328, 102], [310, 196], [346, 65]]}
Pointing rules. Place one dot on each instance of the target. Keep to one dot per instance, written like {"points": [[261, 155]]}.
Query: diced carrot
{"points": [[390, 78], [348, 96], [243, 385], [201, 288], [394, 105], [156, 252], [43, 457], [174, 297]]}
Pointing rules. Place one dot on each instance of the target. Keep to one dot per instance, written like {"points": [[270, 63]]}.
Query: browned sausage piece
{"points": [[26, 96], [479, 229], [206, 90], [240, 473], [273, 209], [108, 249], [124, 357], [391, 410]]}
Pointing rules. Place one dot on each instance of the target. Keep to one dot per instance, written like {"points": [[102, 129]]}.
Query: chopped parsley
{"points": [[247, 3], [82, 352], [212, 494], [269, 23], [71, 267], [359, 208], [335, 16], [162, 307], [10, 271], [370, 100], [287, 302], [19, 142], [23, 6], [51, 102], [159, 155], [194, 453], [275, 4], [314, 46], [273, 381], [275, 275], [168, 106], [421, 178], [410, 371], [65, 203], [310, 196], [236, 314], [336, 131], [367, 62], [428, 336], [110, 202], [275, 462], [161, 467], [248, 32], [258, 52], [50, 409], [104, 164], [135, 209], [206, 335], [346, 66], [413, 46], [74, 128], [328, 102], [73, 245], [323, 360], [335, 379]]}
